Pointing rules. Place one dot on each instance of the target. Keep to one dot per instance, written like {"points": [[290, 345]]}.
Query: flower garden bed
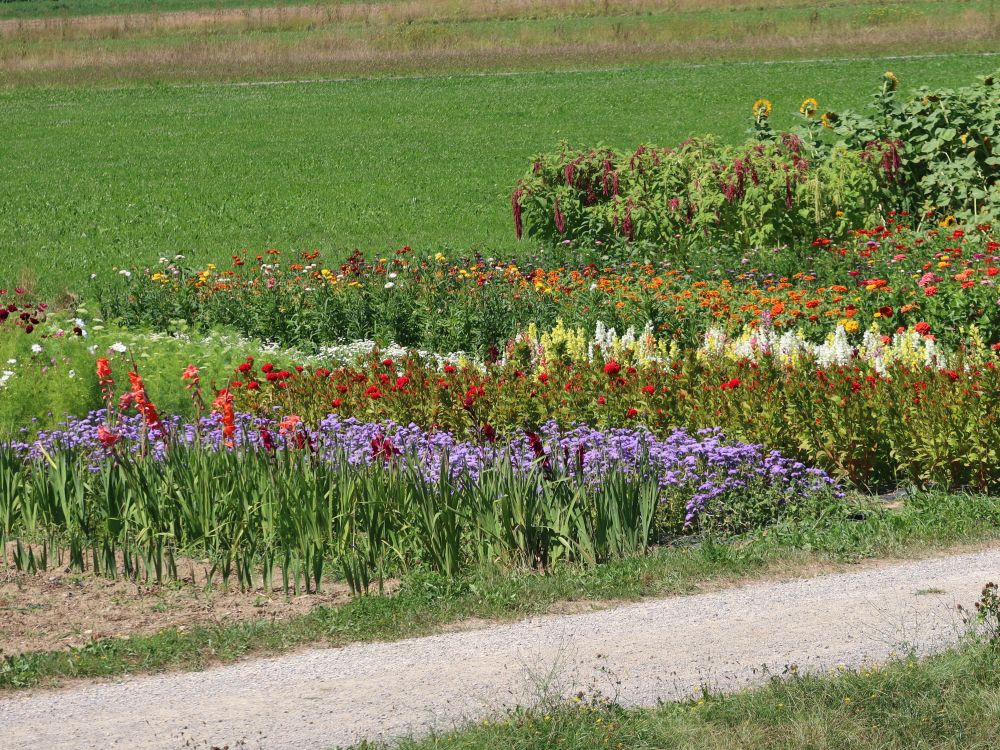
{"points": [[370, 417]]}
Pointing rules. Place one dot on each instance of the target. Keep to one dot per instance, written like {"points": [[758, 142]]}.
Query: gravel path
{"points": [[641, 653]]}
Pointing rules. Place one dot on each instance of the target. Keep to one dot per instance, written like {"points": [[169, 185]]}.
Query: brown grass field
{"points": [[439, 35]]}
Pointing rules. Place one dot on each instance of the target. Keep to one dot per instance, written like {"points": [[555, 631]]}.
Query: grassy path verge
{"points": [[947, 701]]}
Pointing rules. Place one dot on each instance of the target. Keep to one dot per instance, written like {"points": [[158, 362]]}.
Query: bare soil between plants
{"points": [[59, 609]]}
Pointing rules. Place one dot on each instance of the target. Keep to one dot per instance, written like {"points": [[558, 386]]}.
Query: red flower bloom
{"points": [[612, 368], [922, 328], [104, 370], [630, 413], [106, 437]]}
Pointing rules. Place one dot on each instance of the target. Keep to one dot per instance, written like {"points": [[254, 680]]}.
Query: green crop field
{"points": [[93, 178]]}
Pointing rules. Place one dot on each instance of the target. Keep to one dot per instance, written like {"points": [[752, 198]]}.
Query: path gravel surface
{"points": [[639, 653]]}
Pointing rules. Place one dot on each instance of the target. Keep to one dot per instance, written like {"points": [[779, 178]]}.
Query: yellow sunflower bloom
{"points": [[761, 109]]}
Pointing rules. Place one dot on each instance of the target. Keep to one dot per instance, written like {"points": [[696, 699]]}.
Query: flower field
{"points": [[300, 415]]}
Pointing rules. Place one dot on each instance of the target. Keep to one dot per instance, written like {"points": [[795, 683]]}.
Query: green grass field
{"points": [[92, 178]]}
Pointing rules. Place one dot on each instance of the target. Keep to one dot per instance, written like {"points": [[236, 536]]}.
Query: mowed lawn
{"points": [[94, 178]]}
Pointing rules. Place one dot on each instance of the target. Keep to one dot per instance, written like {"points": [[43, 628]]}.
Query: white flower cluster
{"points": [[791, 348]]}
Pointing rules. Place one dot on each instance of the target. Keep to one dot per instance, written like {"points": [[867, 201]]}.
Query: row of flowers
{"points": [[708, 469], [891, 276]]}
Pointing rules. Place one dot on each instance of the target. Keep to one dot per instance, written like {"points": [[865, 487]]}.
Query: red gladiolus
{"points": [[104, 370], [382, 447], [266, 440], [107, 437], [223, 404], [142, 403]]}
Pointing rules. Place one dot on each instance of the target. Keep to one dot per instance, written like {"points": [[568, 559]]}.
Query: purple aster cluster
{"points": [[704, 469]]}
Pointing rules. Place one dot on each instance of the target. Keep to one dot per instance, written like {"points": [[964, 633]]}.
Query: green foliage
{"points": [[251, 512]]}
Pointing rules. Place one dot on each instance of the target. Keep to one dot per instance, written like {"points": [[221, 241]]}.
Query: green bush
{"points": [[948, 163], [766, 192]]}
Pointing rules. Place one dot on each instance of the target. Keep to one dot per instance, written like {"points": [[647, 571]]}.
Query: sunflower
{"points": [[808, 107], [829, 119], [948, 221], [762, 109], [891, 80]]}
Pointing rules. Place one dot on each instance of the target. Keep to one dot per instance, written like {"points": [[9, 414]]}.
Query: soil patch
{"points": [[61, 609]]}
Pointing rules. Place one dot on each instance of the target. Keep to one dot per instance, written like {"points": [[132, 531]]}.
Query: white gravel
{"points": [[639, 654]]}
